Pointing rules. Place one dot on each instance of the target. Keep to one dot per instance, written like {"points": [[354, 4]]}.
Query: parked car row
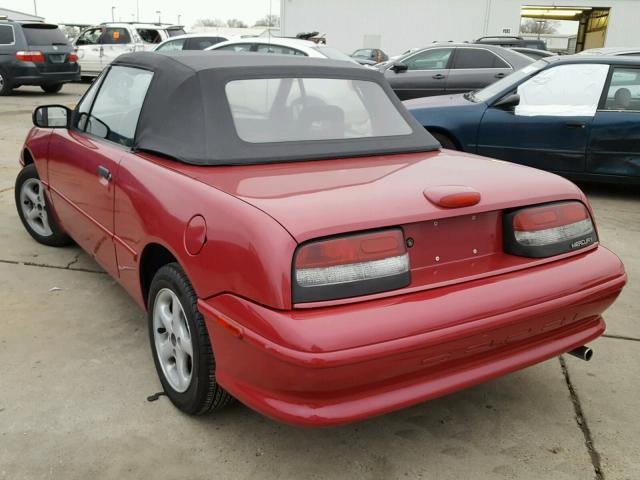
{"points": [[578, 116]]}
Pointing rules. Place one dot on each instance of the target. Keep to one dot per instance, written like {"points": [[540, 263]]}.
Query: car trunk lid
{"points": [[319, 198], [445, 245]]}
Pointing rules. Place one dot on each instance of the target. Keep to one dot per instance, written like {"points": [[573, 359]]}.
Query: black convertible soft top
{"points": [[186, 115]]}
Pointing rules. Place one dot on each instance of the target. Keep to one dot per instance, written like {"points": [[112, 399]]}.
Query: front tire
{"points": [[180, 344], [54, 88], [34, 210]]}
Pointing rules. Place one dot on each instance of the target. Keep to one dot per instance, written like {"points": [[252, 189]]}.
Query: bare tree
{"points": [[531, 25], [210, 22], [235, 23], [268, 21]]}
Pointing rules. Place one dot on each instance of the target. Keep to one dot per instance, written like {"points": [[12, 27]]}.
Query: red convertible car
{"points": [[302, 244]]}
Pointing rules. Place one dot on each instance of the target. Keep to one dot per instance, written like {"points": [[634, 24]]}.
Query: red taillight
{"points": [[353, 249], [73, 58], [30, 56], [548, 230], [350, 265], [549, 216]]}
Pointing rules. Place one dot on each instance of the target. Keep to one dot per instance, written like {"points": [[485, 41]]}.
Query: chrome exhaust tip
{"points": [[583, 353]]}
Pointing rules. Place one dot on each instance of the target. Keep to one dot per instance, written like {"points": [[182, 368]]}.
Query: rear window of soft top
{"points": [[43, 34]]}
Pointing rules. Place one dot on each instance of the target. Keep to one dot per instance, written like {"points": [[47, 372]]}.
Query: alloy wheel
{"points": [[33, 204], [172, 339]]}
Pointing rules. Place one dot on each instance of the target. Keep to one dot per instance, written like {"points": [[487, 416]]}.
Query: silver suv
{"points": [[99, 45]]}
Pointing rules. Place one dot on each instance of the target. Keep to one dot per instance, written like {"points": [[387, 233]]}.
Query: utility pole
{"points": [[179, 16], [137, 10], [113, 17], [159, 13], [35, 8]]}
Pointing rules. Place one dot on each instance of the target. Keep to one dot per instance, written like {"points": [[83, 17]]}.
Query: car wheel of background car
{"points": [[180, 344], [5, 84], [34, 210], [445, 141], [55, 88]]}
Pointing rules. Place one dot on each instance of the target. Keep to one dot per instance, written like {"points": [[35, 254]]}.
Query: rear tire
{"points": [[54, 88], [180, 344], [5, 84], [34, 210], [445, 141]]}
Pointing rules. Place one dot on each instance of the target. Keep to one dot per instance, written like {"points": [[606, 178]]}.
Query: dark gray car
{"points": [[445, 68], [35, 53]]}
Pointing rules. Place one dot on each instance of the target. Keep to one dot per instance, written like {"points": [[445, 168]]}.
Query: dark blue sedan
{"points": [[578, 116]]}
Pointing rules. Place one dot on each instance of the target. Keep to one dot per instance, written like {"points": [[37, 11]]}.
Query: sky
{"points": [[97, 11]]}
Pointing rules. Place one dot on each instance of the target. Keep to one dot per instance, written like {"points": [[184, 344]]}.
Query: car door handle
{"points": [[104, 173], [576, 124], [438, 76], [500, 75]]}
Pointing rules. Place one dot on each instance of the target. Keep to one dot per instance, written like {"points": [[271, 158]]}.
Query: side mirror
{"points": [[510, 101], [399, 67], [51, 116]]}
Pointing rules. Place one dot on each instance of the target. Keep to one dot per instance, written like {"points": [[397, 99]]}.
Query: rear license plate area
{"points": [[57, 57], [446, 240]]}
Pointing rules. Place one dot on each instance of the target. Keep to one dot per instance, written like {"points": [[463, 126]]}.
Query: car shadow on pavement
{"points": [[524, 414]]}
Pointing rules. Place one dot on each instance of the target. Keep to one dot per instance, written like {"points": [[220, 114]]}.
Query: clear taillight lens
{"points": [[349, 266], [549, 229]]}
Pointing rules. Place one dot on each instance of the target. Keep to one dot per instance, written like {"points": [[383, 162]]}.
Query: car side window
{"points": [[89, 37], [623, 93], [469, 58], [366, 53], [119, 102], [277, 49], [116, 36], [563, 90], [172, 46], [149, 35], [432, 59], [200, 43], [6, 35], [84, 106], [237, 47]]}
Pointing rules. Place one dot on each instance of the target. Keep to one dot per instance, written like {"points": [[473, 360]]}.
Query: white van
{"points": [[99, 45]]}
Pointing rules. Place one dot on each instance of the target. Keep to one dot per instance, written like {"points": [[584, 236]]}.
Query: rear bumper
{"points": [[26, 74], [320, 385]]}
